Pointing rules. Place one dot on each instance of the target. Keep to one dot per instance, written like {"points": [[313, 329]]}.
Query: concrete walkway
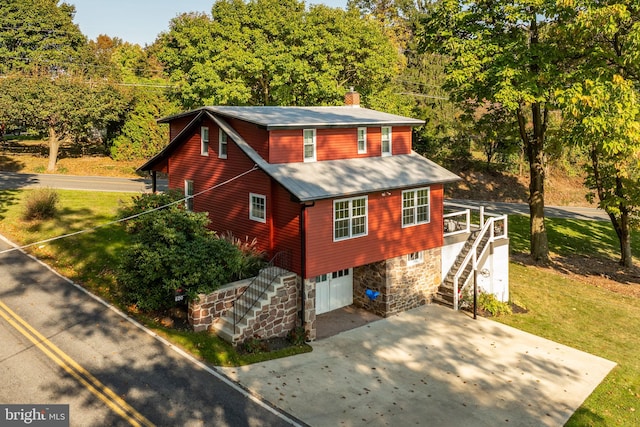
{"points": [[429, 366]]}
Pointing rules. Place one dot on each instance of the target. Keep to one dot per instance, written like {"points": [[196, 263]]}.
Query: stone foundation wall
{"points": [[401, 287], [310, 309], [209, 307], [279, 317]]}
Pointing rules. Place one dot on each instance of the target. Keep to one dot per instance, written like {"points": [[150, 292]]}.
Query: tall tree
{"points": [[40, 36], [273, 52], [602, 107], [66, 109], [603, 118], [501, 52]]}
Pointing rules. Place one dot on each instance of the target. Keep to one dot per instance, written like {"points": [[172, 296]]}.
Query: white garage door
{"points": [[334, 290]]}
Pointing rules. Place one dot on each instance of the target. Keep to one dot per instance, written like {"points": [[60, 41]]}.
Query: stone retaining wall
{"points": [[279, 317], [204, 312]]}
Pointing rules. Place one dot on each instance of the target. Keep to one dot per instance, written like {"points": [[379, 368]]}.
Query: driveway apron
{"points": [[429, 366]]}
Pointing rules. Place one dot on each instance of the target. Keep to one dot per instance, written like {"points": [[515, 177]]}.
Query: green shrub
{"points": [[488, 302], [297, 336], [172, 249], [41, 204], [253, 258]]}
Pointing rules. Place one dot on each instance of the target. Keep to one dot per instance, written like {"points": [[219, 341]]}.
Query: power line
{"points": [[90, 229]]}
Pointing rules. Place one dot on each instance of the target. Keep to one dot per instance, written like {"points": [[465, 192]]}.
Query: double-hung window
{"points": [[188, 194], [204, 141], [415, 207], [257, 207], [386, 140], [222, 144], [349, 218], [362, 140], [309, 136]]}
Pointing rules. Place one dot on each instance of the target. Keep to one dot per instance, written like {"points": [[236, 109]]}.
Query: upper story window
{"points": [[309, 136], [350, 218], [415, 207], [257, 207], [204, 141], [386, 140], [188, 194], [222, 144], [362, 140]]}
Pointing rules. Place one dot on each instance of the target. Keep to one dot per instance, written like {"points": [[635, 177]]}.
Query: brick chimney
{"points": [[352, 98]]}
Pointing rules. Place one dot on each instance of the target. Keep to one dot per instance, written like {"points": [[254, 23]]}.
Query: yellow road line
{"points": [[104, 393]]}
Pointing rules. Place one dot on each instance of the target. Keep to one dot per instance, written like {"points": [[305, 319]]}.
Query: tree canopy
{"points": [[272, 52], [39, 35]]}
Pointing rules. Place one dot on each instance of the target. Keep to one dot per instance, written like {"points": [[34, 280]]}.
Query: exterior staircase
{"points": [[258, 295], [445, 294]]}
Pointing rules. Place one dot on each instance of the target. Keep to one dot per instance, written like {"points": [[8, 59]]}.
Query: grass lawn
{"points": [[589, 318], [89, 259]]}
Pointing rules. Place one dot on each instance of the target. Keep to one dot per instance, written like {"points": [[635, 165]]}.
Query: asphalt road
{"points": [[62, 346], [11, 180]]}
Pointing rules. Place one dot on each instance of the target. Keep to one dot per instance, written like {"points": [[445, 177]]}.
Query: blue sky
{"points": [[140, 21]]}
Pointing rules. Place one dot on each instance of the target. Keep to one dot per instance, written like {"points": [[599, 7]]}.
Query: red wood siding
{"points": [[177, 125], [286, 225], [333, 144], [228, 205], [256, 137], [385, 239]]}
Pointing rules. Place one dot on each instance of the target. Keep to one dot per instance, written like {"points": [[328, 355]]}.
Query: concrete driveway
{"points": [[429, 366]]}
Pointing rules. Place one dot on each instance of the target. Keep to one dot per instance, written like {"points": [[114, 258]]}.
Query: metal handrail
{"points": [[259, 285]]}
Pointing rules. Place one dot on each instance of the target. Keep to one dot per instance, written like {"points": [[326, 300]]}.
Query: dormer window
{"points": [[309, 136], [222, 144], [204, 141], [386, 141], [362, 140]]}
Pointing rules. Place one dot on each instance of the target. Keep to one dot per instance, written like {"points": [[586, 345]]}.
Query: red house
{"points": [[336, 191]]}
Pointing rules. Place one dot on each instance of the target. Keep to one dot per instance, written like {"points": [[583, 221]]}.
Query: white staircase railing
{"points": [[495, 227]]}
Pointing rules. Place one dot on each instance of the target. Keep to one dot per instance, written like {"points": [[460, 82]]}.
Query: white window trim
{"points": [[223, 140], [362, 150], [188, 194], [309, 159], [251, 215], [415, 258], [415, 207], [386, 153], [366, 218], [204, 141]]}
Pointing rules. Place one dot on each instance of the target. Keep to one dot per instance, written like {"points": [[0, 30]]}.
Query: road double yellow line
{"points": [[84, 377]]}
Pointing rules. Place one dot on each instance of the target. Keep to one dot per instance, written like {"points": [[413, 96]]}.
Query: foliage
{"points": [[255, 344], [502, 53], [603, 118], [298, 336], [253, 258], [140, 136], [272, 52], [39, 36], [67, 109], [147, 201], [172, 249], [488, 302], [41, 204]]}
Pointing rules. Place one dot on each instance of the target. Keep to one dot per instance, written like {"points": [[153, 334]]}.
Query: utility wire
{"points": [[88, 230]]}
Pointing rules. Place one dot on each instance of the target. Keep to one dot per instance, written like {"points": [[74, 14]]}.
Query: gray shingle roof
{"points": [[344, 178], [272, 117]]}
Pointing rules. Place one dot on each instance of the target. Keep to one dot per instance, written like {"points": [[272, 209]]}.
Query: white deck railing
{"points": [[495, 227]]}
